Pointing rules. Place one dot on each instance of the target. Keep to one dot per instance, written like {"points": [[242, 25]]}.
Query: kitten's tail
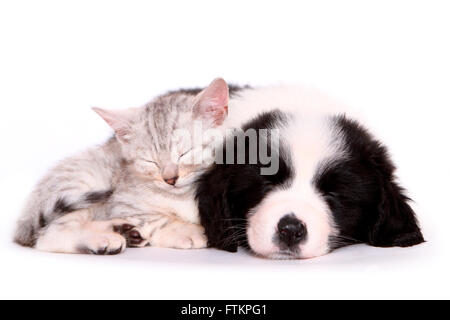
{"points": [[26, 232]]}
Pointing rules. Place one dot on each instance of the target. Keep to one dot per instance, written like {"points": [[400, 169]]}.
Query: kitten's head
{"points": [[163, 141]]}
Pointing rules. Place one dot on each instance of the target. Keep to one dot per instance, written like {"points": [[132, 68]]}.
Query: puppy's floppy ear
{"points": [[395, 224]]}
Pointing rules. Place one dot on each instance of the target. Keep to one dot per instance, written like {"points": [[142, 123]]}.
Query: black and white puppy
{"points": [[334, 183]]}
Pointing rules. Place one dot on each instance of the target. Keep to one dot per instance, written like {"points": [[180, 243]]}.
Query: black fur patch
{"points": [[227, 192], [63, 207], [98, 196], [42, 220], [366, 202]]}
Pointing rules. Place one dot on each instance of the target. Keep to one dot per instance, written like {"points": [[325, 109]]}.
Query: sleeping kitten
{"points": [[136, 189]]}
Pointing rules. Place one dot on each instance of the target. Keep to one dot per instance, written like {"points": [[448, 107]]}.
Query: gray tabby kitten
{"points": [[136, 189]]}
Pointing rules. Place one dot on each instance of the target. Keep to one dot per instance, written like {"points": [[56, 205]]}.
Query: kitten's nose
{"points": [[171, 181], [170, 174]]}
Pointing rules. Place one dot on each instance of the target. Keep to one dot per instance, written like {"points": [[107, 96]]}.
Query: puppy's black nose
{"points": [[291, 230]]}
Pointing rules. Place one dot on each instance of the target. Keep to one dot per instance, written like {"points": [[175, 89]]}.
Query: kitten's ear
{"points": [[211, 105], [118, 120]]}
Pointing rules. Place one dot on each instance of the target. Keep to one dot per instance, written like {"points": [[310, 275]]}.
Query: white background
{"points": [[389, 59]]}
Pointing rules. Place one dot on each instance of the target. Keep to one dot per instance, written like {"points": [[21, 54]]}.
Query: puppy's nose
{"points": [[291, 230], [171, 181]]}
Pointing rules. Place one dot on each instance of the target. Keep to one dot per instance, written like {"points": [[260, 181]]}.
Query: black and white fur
{"points": [[335, 184]]}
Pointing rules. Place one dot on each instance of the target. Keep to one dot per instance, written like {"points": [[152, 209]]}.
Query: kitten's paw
{"points": [[183, 242], [189, 236], [198, 238], [103, 244], [200, 242], [132, 235]]}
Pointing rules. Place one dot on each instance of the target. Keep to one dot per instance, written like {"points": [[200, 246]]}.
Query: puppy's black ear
{"points": [[387, 220], [214, 210], [395, 224]]}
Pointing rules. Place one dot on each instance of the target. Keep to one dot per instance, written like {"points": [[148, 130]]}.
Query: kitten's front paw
{"points": [[189, 236], [103, 244], [132, 235], [198, 238]]}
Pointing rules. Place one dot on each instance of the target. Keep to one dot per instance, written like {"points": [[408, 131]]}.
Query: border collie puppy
{"points": [[329, 183]]}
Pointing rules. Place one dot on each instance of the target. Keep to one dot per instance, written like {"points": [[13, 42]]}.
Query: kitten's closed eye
{"points": [[185, 153], [191, 157], [147, 167], [152, 162]]}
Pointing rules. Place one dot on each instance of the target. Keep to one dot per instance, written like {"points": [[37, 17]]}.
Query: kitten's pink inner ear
{"points": [[212, 102], [118, 120]]}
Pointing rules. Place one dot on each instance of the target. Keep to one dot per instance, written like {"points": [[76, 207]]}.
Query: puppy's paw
{"points": [[103, 244], [132, 235]]}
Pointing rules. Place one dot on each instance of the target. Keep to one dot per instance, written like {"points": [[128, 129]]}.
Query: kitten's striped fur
{"points": [[95, 201]]}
